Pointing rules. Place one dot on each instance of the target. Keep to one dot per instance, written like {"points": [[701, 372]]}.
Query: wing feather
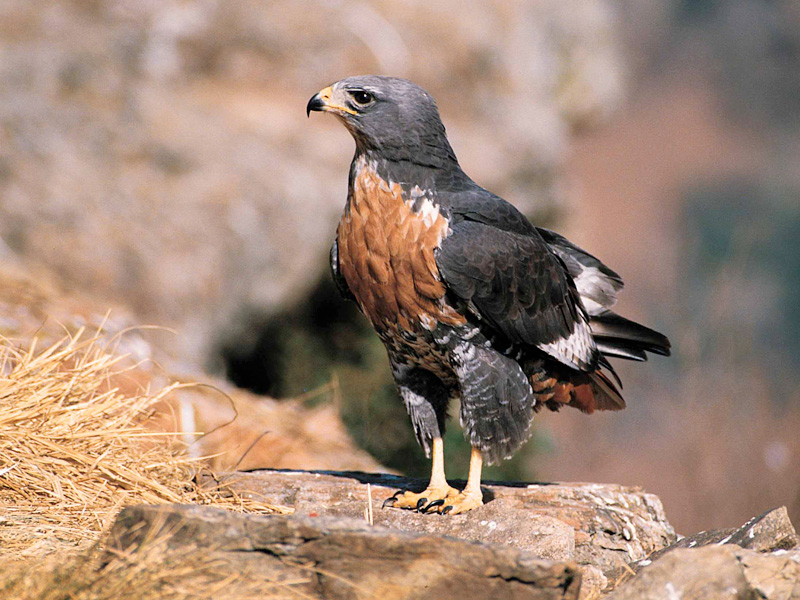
{"points": [[520, 288], [596, 283]]}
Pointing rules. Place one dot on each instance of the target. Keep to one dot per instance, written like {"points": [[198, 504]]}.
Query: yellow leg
{"points": [[474, 480], [471, 497], [438, 488]]}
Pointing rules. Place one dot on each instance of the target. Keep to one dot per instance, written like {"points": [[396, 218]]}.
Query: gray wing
{"points": [[596, 284], [515, 284]]}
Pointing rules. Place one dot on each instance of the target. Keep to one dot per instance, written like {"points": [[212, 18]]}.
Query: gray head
{"points": [[391, 118]]}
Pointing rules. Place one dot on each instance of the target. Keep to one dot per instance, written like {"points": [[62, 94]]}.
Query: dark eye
{"points": [[361, 97]]}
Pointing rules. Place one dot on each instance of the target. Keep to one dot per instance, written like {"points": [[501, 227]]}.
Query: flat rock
{"points": [[606, 526], [333, 558], [527, 541], [760, 559], [719, 572], [769, 531]]}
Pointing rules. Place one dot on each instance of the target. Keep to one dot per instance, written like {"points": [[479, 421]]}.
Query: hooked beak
{"points": [[318, 102], [322, 102]]}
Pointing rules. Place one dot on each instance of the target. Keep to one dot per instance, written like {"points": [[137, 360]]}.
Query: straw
{"points": [[74, 449]]}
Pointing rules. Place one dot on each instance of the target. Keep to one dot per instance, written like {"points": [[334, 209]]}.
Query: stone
{"points": [[716, 571], [769, 531], [774, 575], [766, 532], [606, 526], [760, 559], [337, 558], [710, 572]]}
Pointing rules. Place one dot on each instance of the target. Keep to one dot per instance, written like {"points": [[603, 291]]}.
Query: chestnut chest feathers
{"points": [[386, 244]]}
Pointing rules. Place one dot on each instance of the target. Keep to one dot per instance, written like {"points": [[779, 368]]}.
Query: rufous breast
{"points": [[386, 254]]}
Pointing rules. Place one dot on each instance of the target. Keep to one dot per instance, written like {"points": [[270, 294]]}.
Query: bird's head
{"points": [[392, 118]]}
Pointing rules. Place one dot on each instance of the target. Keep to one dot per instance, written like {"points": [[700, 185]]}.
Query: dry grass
{"points": [[74, 450], [153, 570]]}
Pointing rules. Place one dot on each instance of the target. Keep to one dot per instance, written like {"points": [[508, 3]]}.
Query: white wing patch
{"points": [[593, 308], [598, 291], [577, 350]]}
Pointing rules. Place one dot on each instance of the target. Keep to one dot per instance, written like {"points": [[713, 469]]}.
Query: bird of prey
{"points": [[472, 301]]}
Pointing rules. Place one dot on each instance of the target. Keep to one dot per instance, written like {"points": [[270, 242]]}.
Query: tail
{"points": [[621, 338], [556, 385]]}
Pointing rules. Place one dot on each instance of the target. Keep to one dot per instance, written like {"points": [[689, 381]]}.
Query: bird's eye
{"points": [[361, 97]]}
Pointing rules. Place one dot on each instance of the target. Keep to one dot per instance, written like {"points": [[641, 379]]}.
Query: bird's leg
{"points": [[438, 489], [471, 497]]}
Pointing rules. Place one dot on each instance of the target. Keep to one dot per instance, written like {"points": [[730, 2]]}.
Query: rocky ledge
{"points": [[528, 541]]}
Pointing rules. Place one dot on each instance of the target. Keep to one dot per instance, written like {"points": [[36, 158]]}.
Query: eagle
{"points": [[473, 302]]}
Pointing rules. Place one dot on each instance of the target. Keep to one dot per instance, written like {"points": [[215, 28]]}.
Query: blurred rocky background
{"points": [[156, 156]]}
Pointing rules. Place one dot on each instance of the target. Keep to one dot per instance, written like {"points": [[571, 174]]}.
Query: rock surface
{"points": [[601, 527], [580, 541], [718, 572], [765, 533], [342, 558], [760, 559]]}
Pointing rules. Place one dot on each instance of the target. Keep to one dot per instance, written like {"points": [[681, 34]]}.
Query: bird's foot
{"points": [[423, 501], [460, 503]]}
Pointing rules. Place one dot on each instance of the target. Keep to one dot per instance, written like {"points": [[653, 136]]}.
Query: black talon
{"points": [[390, 500], [432, 505], [421, 502], [447, 509]]}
